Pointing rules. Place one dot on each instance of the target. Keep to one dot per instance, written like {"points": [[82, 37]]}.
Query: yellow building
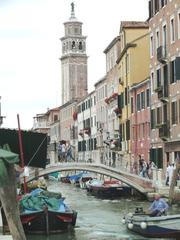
{"points": [[133, 67]]}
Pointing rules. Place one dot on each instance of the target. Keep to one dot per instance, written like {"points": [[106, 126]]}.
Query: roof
{"points": [[112, 43], [100, 81], [133, 24]]}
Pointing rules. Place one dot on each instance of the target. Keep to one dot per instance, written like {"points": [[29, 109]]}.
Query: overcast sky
{"points": [[30, 48]]}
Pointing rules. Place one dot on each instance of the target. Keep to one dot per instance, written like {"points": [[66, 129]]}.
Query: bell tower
{"points": [[73, 60]]}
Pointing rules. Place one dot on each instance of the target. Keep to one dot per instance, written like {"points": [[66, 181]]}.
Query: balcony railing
{"points": [[162, 54], [164, 131]]}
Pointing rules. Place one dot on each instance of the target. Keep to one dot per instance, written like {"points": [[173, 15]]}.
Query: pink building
{"points": [[140, 119]]}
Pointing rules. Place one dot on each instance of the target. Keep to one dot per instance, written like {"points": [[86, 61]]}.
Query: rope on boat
{"points": [[36, 151]]}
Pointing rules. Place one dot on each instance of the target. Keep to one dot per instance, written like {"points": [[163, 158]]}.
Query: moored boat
{"points": [[154, 227], [107, 188], [43, 212]]}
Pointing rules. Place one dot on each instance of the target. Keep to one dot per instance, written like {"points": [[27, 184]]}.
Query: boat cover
{"points": [[38, 199], [6, 157], [75, 177]]}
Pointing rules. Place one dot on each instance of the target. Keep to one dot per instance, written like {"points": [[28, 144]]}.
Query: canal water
{"points": [[97, 219]]}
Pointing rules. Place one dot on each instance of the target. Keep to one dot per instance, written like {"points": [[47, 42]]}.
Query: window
{"points": [[174, 112], [80, 45], [132, 104], [128, 62], [126, 96], [73, 44], [164, 35], [172, 72], [163, 3], [156, 6], [153, 118], [128, 130], [156, 155], [178, 24], [152, 81], [158, 72], [157, 39], [151, 46], [143, 130], [159, 115], [172, 33], [147, 98], [138, 103], [142, 100], [55, 118]]}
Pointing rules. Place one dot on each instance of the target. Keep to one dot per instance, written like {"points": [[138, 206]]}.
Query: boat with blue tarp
{"points": [[44, 212]]}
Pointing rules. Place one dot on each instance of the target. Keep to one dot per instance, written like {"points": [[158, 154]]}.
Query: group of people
{"points": [[143, 168], [64, 151]]}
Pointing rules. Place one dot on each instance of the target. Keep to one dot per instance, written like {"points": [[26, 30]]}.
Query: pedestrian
{"points": [[158, 207], [135, 167], [59, 152], [144, 168], [140, 161], [151, 166], [69, 152], [63, 150], [169, 174]]}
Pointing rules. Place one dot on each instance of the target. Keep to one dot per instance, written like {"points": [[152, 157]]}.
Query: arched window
{"points": [[80, 45], [73, 44]]}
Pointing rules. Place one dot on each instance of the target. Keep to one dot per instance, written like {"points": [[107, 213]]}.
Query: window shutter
{"points": [[177, 67]]}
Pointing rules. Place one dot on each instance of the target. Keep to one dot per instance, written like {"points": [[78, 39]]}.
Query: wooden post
{"points": [[173, 183], [10, 206], [21, 151]]}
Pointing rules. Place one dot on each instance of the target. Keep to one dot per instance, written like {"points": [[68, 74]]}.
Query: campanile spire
{"points": [[73, 60], [72, 10]]}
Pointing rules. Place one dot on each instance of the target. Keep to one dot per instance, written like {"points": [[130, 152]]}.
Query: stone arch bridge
{"points": [[143, 185]]}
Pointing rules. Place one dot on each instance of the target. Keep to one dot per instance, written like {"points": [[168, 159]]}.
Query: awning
{"points": [[34, 146]]}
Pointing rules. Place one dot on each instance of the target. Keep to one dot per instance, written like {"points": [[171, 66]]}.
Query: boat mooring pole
{"points": [[21, 151]]}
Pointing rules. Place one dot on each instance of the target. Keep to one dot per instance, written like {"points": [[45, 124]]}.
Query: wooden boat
{"points": [[85, 178], [56, 176], [109, 189], [41, 214], [154, 227]]}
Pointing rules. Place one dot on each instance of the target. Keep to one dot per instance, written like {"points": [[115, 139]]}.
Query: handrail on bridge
{"points": [[141, 184]]}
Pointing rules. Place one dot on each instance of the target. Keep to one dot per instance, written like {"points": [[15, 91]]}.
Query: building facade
{"points": [[133, 67], [140, 120], [164, 23], [87, 144]]}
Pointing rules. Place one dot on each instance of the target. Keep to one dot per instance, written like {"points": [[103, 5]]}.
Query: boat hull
{"points": [[48, 222], [109, 191], [45, 222], [154, 227]]}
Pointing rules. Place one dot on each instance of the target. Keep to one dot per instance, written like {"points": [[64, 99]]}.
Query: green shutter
{"points": [[177, 67]]}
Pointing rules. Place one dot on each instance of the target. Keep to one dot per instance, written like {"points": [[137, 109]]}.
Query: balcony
{"points": [[118, 111], [87, 130], [162, 54], [161, 94], [113, 97], [164, 131]]}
